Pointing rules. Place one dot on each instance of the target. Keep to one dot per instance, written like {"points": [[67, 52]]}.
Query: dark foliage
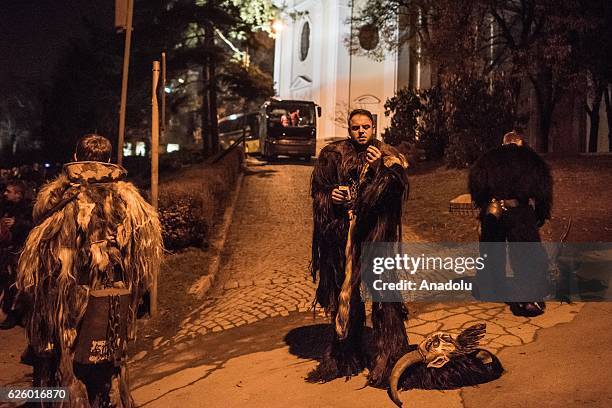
{"points": [[458, 121], [84, 94], [182, 217], [418, 119], [478, 115], [539, 45], [189, 202]]}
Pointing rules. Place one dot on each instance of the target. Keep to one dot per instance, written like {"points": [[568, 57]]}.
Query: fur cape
{"points": [[91, 229], [512, 172], [477, 367], [377, 206]]}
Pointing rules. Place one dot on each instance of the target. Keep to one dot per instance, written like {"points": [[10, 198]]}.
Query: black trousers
{"points": [[515, 236]]}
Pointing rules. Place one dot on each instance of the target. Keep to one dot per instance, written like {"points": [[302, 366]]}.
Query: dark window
{"points": [[305, 41], [291, 114], [253, 125], [224, 127], [231, 125], [368, 37]]}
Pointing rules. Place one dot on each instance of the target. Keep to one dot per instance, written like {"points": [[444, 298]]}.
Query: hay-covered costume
{"points": [[377, 195], [95, 250], [512, 187]]}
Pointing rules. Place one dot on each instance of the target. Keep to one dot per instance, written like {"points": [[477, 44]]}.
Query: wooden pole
{"points": [[154, 166], [124, 81]]}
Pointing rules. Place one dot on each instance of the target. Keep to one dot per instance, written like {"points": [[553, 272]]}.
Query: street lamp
{"points": [[277, 26]]}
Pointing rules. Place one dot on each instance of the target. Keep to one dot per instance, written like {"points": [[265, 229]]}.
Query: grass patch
{"points": [[582, 191], [426, 213]]}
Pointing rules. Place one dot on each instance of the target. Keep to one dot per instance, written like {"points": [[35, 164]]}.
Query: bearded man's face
{"points": [[361, 129]]}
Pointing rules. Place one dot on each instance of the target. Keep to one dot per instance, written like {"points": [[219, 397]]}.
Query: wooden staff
{"points": [[154, 167]]}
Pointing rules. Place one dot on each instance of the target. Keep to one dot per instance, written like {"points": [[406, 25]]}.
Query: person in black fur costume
{"points": [[512, 186], [358, 184]]}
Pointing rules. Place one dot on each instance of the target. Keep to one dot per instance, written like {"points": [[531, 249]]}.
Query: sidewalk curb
{"points": [[203, 285]]}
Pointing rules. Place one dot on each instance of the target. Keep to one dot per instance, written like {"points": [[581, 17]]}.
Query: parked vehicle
{"points": [[288, 128], [281, 127], [232, 127]]}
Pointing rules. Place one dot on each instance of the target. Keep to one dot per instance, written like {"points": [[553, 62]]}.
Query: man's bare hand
{"points": [[7, 222], [338, 196], [373, 155]]}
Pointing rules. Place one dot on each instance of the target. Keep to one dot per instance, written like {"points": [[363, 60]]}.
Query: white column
{"points": [[278, 56]]}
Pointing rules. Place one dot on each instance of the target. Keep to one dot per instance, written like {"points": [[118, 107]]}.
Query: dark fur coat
{"points": [[512, 172], [377, 205]]}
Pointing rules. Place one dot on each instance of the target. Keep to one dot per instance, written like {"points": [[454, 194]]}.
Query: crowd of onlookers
{"points": [[18, 187], [15, 224], [32, 175]]}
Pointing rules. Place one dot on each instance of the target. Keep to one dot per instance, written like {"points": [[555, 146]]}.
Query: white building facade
{"points": [[313, 62]]}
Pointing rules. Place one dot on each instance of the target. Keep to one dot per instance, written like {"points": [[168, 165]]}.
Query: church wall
{"points": [[338, 107], [338, 81], [329, 75], [302, 74], [372, 82]]}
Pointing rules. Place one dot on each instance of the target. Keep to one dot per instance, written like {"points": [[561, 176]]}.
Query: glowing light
{"points": [[181, 80], [172, 147], [168, 89], [127, 149], [233, 116], [278, 26], [141, 149]]}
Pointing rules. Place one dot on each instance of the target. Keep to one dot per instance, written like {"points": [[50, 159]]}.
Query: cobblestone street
{"points": [[255, 328], [264, 291], [264, 270]]}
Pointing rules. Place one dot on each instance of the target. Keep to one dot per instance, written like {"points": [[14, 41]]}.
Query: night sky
{"points": [[33, 33]]}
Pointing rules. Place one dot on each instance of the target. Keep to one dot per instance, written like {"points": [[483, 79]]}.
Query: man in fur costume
{"points": [[94, 251], [358, 186], [512, 186]]}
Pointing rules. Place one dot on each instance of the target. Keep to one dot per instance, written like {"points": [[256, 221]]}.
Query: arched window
{"points": [[304, 41], [368, 37]]}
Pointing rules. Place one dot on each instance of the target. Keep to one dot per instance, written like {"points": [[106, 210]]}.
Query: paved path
{"points": [[255, 336], [262, 299], [264, 269]]}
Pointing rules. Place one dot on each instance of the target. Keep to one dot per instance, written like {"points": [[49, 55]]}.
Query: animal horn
{"points": [[402, 364]]}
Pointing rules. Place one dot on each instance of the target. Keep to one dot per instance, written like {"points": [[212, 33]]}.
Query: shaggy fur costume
{"points": [[93, 231], [377, 206], [512, 172], [477, 367]]}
